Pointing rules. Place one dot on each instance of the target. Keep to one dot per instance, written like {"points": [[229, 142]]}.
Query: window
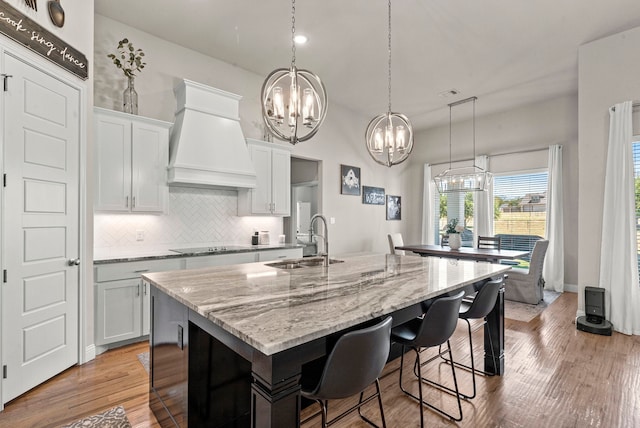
{"points": [[520, 210], [454, 205]]}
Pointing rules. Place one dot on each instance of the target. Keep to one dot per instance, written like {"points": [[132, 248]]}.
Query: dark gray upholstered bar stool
{"points": [[356, 361], [478, 308], [433, 329]]}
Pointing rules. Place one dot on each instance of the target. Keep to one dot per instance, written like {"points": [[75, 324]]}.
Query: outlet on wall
{"points": [[139, 235]]}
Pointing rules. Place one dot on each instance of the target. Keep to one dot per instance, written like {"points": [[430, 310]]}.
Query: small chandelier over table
{"points": [[294, 101], [389, 136], [464, 179]]}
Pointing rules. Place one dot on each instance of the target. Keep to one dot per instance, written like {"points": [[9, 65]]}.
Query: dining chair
{"points": [[526, 285], [478, 308], [433, 329], [395, 240], [491, 242], [355, 362]]}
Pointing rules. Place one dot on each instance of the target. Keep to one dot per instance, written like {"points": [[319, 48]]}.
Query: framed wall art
{"points": [[394, 208], [350, 180], [372, 195]]}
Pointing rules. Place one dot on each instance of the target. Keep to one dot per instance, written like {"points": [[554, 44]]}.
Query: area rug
{"points": [[112, 418], [144, 360], [525, 312]]}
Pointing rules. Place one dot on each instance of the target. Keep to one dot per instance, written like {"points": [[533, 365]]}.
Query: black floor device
{"points": [[594, 321]]}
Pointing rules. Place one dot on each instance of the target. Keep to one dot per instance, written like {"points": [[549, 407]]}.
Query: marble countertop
{"points": [[118, 255], [275, 309]]}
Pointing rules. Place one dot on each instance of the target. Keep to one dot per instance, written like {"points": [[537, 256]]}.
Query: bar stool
{"points": [[356, 361], [433, 329], [478, 308]]}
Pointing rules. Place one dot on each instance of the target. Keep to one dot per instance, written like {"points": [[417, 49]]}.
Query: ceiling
{"points": [[505, 52]]}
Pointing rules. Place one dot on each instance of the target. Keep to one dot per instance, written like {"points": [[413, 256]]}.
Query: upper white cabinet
{"points": [[272, 195], [131, 156]]}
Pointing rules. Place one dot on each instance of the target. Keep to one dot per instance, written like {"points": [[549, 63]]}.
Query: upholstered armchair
{"points": [[525, 285]]}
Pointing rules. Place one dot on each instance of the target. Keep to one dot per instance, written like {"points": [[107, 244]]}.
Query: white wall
{"points": [[529, 127], [608, 74], [357, 227]]}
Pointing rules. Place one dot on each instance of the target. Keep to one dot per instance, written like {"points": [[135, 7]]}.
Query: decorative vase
{"points": [[455, 241], [130, 97]]}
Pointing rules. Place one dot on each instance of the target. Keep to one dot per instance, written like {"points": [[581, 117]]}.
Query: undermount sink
{"points": [[301, 263]]}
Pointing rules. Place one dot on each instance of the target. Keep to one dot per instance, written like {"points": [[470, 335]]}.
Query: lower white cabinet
{"points": [[122, 299]]}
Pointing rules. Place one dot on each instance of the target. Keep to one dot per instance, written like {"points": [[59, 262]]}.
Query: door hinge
{"points": [[4, 275], [5, 84], [4, 371]]}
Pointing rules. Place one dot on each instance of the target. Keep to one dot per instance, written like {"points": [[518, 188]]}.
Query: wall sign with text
{"points": [[27, 32]]}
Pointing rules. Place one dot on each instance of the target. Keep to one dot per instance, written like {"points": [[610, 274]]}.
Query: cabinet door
{"points": [[261, 195], [221, 260], [150, 154], [281, 182], [118, 310], [113, 163], [279, 254]]}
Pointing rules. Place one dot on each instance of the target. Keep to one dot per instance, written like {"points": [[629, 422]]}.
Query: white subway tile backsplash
{"points": [[194, 216]]}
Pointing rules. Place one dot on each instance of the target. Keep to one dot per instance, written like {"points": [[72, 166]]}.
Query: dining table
{"points": [[490, 255]]}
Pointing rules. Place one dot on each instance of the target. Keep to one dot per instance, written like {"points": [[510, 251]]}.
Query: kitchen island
{"points": [[229, 344]]}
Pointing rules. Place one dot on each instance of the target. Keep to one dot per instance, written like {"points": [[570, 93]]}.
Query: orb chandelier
{"points": [[294, 101], [389, 136], [464, 179]]}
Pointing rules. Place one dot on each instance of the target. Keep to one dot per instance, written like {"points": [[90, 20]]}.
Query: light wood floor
{"points": [[556, 376]]}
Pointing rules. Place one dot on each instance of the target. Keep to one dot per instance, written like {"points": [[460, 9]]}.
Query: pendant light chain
{"points": [[389, 37], [450, 136], [293, 32], [474, 132]]}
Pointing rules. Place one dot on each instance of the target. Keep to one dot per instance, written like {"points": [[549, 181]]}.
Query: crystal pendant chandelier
{"points": [[294, 101], [464, 179], [389, 136]]}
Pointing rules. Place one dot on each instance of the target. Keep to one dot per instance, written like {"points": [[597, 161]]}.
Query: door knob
{"points": [[73, 262]]}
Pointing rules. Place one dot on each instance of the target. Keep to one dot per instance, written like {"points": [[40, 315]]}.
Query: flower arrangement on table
{"points": [[453, 227]]}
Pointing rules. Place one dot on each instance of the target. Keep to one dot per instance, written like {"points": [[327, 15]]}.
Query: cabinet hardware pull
{"points": [[144, 288], [126, 202], [141, 270], [133, 202], [139, 285]]}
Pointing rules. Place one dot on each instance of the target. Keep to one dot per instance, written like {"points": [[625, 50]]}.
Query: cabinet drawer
{"points": [[128, 270]]}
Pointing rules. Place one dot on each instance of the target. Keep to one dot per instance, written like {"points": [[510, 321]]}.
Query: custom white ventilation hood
{"points": [[207, 148]]}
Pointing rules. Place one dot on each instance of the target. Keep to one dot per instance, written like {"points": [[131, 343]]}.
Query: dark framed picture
{"points": [[394, 208], [372, 195], [350, 180]]}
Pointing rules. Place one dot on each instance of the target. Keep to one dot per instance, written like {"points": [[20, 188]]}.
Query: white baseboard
{"points": [[573, 288], [89, 353]]}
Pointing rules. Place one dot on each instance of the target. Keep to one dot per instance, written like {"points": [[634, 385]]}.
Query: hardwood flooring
{"points": [[556, 376]]}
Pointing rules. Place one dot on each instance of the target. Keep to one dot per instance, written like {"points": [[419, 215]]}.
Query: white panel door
{"points": [[40, 224]]}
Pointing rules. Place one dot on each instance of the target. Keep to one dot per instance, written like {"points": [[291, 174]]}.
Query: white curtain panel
{"points": [[428, 194], [553, 270], [483, 204], [618, 252]]}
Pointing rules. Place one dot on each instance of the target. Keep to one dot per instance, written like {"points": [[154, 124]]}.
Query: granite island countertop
{"points": [[274, 309]]}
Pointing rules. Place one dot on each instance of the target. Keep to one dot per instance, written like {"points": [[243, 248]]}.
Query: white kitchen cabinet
{"points": [[272, 195], [279, 254], [131, 157], [122, 299]]}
